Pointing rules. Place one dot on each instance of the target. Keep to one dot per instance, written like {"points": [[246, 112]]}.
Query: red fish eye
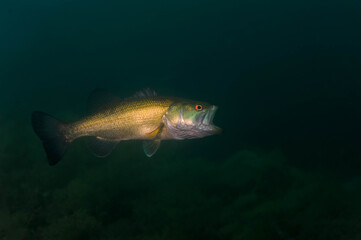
{"points": [[199, 107]]}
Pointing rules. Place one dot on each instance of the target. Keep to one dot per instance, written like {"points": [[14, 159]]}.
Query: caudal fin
{"points": [[51, 133]]}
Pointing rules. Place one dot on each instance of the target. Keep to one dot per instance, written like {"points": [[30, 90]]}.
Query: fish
{"points": [[110, 119]]}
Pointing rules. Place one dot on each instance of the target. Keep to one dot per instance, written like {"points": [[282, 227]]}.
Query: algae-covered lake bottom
{"points": [[252, 194]]}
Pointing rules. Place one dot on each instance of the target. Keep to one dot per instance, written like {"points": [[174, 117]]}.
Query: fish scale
{"points": [[129, 120]]}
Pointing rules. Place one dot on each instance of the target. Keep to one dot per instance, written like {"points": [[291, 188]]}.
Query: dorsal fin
{"points": [[146, 92], [101, 99]]}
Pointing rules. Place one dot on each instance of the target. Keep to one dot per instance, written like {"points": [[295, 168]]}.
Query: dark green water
{"points": [[285, 75]]}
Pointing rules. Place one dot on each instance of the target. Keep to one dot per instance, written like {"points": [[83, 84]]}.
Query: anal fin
{"points": [[101, 147]]}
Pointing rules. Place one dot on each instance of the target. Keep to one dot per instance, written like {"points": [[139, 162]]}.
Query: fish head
{"points": [[190, 119]]}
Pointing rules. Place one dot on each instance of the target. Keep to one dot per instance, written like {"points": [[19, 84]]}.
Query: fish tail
{"points": [[52, 133]]}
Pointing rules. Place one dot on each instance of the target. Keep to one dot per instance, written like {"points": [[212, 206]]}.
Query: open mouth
{"points": [[207, 121], [208, 118]]}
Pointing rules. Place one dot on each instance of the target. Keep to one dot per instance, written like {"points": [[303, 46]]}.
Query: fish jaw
{"points": [[200, 127], [207, 122]]}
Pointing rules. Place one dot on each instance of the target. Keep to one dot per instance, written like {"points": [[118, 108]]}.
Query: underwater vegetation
{"points": [[250, 195]]}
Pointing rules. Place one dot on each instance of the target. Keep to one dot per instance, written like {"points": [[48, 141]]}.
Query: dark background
{"points": [[285, 75]]}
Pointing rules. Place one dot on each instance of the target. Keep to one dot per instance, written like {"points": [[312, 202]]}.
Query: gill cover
{"points": [[190, 119]]}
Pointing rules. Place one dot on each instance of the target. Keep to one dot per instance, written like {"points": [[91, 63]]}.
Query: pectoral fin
{"points": [[151, 146], [156, 133], [101, 147]]}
